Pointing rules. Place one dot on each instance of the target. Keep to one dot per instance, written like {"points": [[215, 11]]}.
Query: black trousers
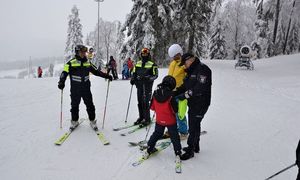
{"points": [[195, 116], [85, 93], [158, 133], [143, 95]]}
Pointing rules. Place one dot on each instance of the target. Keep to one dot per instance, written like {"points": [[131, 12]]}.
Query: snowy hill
{"points": [[253, 129]]}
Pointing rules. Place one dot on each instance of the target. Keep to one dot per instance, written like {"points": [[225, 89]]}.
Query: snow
{"points": [[252, 123]]}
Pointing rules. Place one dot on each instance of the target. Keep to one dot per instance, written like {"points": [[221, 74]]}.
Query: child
{"points": [[165, 107]]}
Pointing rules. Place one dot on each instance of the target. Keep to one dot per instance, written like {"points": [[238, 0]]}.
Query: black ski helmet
{"points": [[80, 48], [169, 81]]}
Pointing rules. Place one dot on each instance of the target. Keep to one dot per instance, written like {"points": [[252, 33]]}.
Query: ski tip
{"points": [[123, 134]]}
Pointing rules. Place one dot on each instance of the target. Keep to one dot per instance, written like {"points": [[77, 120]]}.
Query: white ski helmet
{"points": [[175, 49]]}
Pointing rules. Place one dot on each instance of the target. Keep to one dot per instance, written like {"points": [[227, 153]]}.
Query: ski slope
{"points": [[253, 129]]}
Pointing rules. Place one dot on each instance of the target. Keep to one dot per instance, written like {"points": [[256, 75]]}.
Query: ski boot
{"points": [[74, 125], [93, 124], [138, 121], [144, 123]]}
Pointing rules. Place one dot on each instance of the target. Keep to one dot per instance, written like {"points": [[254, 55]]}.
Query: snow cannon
{"points": [[244, 58], [245, 51]]}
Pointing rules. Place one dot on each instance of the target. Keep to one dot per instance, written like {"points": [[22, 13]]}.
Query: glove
{"points": [[188, 94], [132, 81], [109, 77], [139, 78], [61, 85]]}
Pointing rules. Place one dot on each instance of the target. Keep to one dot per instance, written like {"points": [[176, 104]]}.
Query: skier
{"points": [[112, 66], [40, 72], [79, 69], [125, 71], [130, 66], [178, 72], [196, 88], [143, 74], [165, 107], [298, 159]]}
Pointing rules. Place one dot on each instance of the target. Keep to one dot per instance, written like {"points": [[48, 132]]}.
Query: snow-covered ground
{"points": [[252, 123]]}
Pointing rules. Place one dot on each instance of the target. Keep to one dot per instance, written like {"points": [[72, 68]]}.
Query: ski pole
{"points": [[281, 171], [61, 108], [105, 103], [128, 104]]}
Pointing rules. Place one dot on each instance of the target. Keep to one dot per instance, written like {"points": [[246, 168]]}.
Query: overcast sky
{"points": [[38, 28]]}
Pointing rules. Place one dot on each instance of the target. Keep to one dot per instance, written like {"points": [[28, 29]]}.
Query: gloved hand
{"points": [[139, 78], [61, 85], [188, 94], [132, 82], [109, 77]]}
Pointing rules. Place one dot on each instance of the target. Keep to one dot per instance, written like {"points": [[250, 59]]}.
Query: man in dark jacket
{"points": [[79, 69], [143, 74], [298, 159], [196, 89], [112, 66]]}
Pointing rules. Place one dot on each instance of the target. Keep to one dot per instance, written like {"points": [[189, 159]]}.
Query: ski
{"points": [[159, 148], [177, 165], [134, 130], [101, 137], [65, 136], [124, 127], [143, 142]]}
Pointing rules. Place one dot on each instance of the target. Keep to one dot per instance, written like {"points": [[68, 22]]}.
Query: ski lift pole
{"points": [[61, 108], [105, 103], [281, 171], [128, 104]]}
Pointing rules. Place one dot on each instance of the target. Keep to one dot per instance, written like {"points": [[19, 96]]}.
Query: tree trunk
{"points": [[288, 30], [276, 21]]}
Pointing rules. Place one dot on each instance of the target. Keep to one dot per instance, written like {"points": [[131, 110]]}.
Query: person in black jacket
{"points": [[196, 89], [112, 66], [79, 68], [143, 74], [298, 159]]}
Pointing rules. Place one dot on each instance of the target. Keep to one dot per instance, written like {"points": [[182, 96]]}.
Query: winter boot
{"points": [[138, 121], [74, 125], [189, 153], [146, 154], [93, 124]]}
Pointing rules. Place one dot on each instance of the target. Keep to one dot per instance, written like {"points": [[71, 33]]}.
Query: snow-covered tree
{"points": [[262, 30], [294, 41], [218, 44], [74, 36]]}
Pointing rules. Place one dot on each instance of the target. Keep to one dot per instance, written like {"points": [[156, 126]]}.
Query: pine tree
{"points": [[293, 42], [218, 44], [74, 34]]}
